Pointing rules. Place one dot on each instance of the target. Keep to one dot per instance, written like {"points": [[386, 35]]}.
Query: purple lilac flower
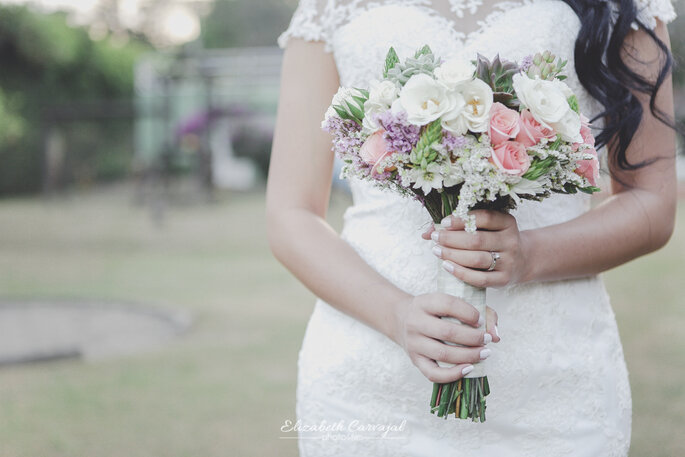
{"points": [[452, 142], [526, 62], [345, 140], [399, 133]]}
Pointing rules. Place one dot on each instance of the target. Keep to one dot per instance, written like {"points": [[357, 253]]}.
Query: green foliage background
{"points": [[47, 62]]}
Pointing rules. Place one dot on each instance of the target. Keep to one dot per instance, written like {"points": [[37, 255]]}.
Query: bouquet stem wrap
{"points": [[465, 397]]}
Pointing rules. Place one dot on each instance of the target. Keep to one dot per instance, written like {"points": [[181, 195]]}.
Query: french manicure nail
{"points": [[434, 236], [446, 222], [437, 251], [487, 338], [496, 332], [448, 266], [481, 320], [467, 370], [485, 353]]}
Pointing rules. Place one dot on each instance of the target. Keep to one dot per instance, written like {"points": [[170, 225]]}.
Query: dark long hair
{"points": [[603, 71]]}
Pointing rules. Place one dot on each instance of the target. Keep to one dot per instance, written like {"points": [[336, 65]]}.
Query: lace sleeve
{"points": [[310, 22], [648, 11]]}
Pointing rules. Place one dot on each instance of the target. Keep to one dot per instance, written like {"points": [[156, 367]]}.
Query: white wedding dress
{"points": [[559, 384]]}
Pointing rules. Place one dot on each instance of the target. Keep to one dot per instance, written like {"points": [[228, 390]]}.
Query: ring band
{"points": [[495, 258]]}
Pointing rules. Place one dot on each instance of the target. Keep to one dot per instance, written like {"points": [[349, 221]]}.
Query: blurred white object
{"points": [[228, 171]]}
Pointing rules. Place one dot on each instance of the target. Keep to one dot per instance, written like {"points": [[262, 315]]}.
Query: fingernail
{"points": [[434, 236], [496, 332], [487, 338], [446, 222], [481, 320], [485, 353], [467, 370], [448, 266]]}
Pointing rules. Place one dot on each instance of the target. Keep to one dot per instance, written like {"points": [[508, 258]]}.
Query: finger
{"points": [[480, 260], [439, 351], [478, 241], [453, 332], [491, 324], [477, 278], [434, 373], [427, 234], [485, 220], [450, 306]]}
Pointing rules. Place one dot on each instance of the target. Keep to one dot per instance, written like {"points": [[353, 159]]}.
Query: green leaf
{"points": [[356, 112], [342, 112], [573, 103], [425, 50], [360, 100], [391, 59]]}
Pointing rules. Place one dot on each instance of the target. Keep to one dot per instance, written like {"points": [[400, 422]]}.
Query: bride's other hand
{"points": [[468, 256], [420, 332]]}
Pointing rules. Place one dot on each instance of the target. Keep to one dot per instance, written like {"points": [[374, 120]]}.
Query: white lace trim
{"points": [[648, 11]]}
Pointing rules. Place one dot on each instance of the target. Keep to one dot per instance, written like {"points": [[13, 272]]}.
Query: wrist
{"points": [[396, 308], [528, 266]]}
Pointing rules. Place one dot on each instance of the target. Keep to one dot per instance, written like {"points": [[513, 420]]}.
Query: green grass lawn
{"points": [[225, 388]]}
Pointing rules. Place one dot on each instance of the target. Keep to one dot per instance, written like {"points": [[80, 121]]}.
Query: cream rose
{"points": [[383, 92], [478, 99], [548, 103], [425, 100], [454, 72]]}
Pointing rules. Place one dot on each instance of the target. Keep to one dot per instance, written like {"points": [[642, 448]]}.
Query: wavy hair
{"points": [[602, 69]]}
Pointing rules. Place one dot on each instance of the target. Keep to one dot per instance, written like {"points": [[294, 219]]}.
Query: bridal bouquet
{"points": [[460, 135]]}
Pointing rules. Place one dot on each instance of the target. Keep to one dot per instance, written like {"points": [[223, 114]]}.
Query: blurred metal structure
{"points": [[189, 106]]}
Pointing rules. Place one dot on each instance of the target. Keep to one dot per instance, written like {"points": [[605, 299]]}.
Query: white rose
{"points": [[545, 99], [455, 71], [569, 127], [454, 121], [371, 110], [425, 100], [475, 99], [383, 92]]}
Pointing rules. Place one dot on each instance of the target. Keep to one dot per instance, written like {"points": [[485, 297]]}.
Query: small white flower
{"points": [[371, 110], [428, 179], [454, 72], [425, 100]]}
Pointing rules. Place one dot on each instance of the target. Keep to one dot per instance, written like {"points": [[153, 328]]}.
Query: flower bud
{"points": [[537, 59], [545, 56]]}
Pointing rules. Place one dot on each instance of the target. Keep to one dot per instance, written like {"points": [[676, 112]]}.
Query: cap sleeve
{"points": [[648, 11], [311, 22]]}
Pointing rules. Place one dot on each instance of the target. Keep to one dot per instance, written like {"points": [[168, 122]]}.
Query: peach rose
{"points": [[511, 158], [589, 168], [532, 131], [374, 149], [504, 124]]}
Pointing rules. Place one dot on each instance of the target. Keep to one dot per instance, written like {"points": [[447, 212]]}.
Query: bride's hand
{"points": [[420, 332], [469, 255]]}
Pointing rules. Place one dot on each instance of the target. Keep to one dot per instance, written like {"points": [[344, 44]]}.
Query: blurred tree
{"points": [[46, 62], [236, 23]]}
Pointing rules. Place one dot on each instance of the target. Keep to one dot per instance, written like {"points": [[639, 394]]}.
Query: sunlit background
{"points": [[141, 312]]}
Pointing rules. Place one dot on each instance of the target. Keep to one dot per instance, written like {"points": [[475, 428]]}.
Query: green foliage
{"points": [[47, 62], [424, 153], [424, 61], [390, 61]]}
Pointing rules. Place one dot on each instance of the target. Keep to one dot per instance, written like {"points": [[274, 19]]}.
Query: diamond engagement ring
{"points": [[495, 258]]}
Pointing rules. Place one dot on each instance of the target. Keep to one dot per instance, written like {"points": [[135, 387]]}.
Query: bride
{"points": [[559, 384]]}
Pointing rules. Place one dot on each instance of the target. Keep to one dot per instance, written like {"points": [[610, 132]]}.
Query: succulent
{"points": [[546, 66], [498, 75], [424, 61]]}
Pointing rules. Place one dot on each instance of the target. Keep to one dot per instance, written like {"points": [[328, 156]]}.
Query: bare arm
{"points": [[297, 198], [636, 219]]}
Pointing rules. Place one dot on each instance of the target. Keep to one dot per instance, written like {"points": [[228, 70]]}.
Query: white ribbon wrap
{"points": [[448, 284]]}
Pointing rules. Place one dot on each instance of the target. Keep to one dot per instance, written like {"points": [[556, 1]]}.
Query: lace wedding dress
{"points": [[558, 377]]}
